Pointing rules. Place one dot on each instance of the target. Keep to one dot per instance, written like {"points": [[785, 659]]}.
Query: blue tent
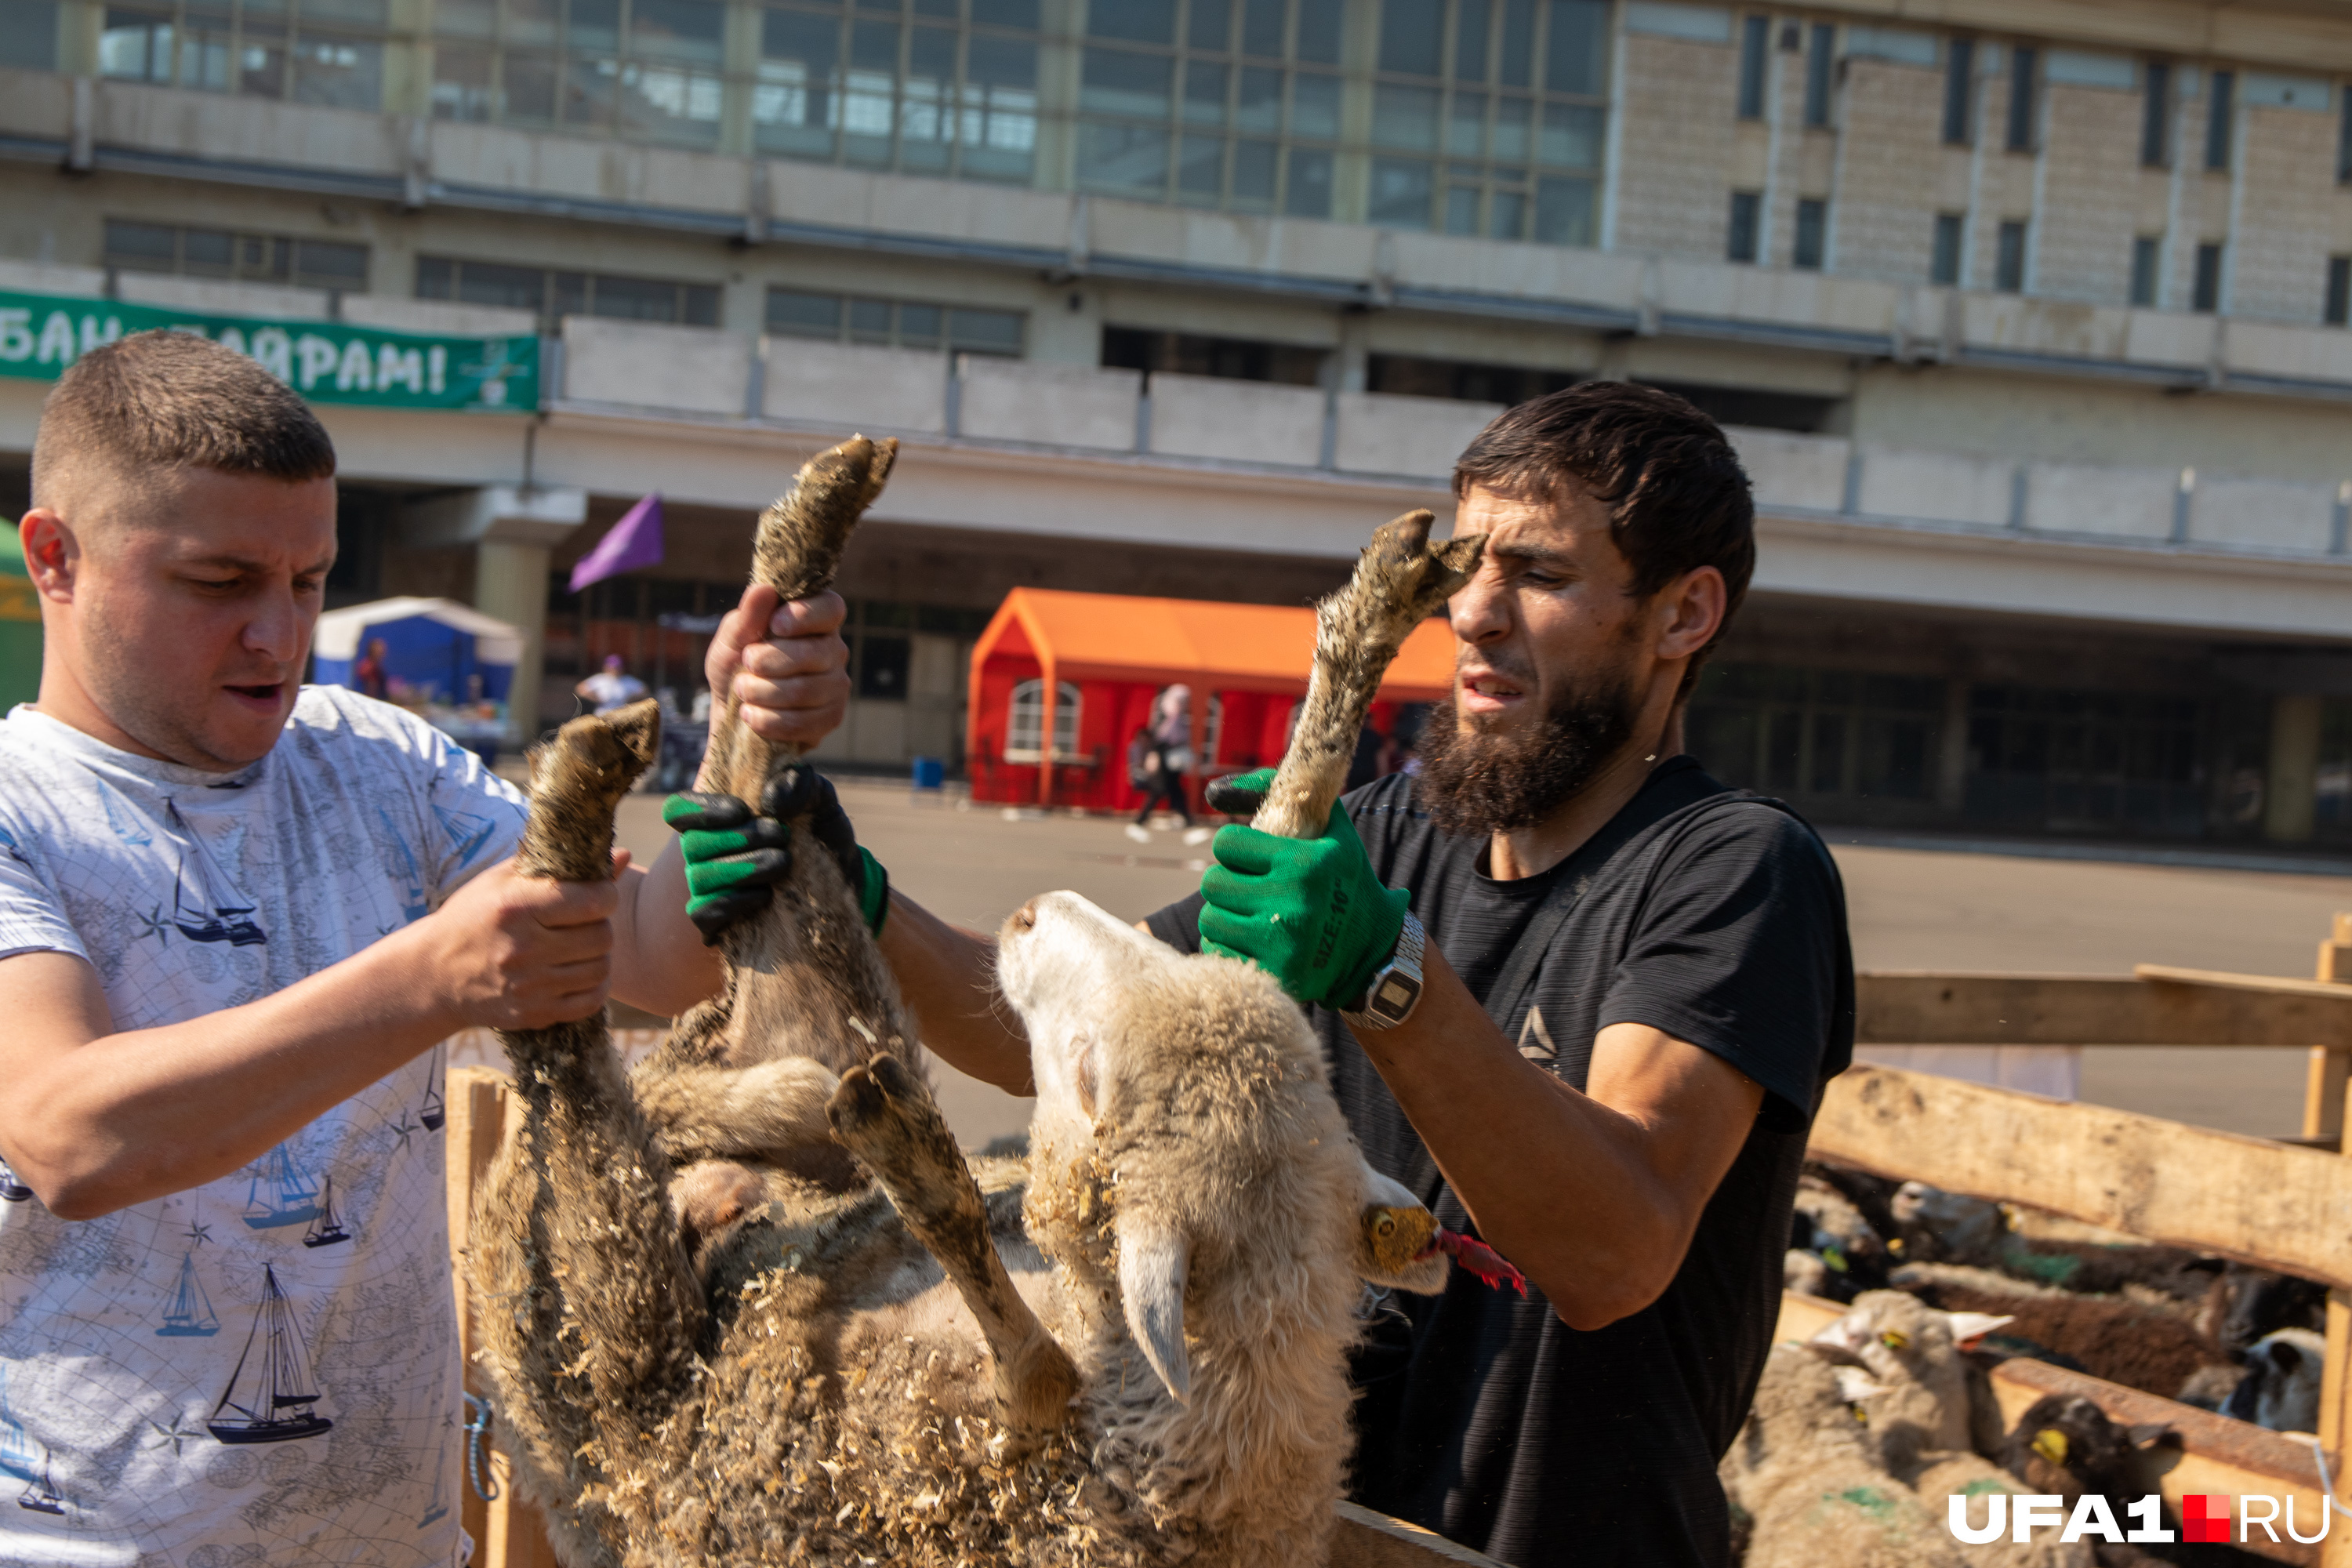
{"points": [[435, 647]]}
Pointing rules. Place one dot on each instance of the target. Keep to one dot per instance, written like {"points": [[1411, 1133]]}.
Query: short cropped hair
{"points": [[163, 400], [1678, 499]]}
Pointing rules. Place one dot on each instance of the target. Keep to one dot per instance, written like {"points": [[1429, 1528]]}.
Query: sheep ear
{"points": [[1153, 1258]]}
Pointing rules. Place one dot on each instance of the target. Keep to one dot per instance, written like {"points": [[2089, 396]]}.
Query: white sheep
{"points": [[2281, 1388]]}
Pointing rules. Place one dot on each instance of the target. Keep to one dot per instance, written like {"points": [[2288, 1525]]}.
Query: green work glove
{"points": [[1310, 912], [734, 855]]}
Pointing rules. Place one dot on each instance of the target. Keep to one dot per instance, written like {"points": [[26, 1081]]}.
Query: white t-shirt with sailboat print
{"points": [[262, 1370]]}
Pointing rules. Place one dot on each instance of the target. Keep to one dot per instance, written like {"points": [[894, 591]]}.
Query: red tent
{"points": [[1084, 667]]}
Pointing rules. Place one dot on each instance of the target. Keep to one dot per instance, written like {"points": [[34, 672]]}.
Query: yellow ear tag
{"points": [[1895, 1340], [2050, 1444]]}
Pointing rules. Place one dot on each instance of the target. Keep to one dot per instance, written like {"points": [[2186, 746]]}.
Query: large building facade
{"points": [[2029, 323]]}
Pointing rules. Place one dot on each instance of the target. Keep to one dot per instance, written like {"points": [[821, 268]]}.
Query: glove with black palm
{"points": [[736, 856]]}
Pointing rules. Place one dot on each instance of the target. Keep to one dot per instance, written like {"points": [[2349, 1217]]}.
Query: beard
{"points": [[1476, 782]]}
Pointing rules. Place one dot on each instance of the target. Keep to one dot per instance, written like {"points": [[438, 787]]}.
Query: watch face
{"points": [[1393, 997]]}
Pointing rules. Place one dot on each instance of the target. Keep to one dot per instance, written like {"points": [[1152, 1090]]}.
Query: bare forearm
{"points": [[1565, 1187], [659, 961], [137, 1114], [948, 975]]}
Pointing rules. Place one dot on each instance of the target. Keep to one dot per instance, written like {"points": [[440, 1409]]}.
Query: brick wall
{"points": [[2090, 193], [2286, 214], [1673, 182], [1888, 180]]}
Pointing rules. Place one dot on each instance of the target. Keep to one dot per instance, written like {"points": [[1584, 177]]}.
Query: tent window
{"points": [[1021, 744]]}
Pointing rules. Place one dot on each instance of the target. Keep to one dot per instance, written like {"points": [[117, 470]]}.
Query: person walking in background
{"points": [[369, 672], [612, 687], [1166, 745]]}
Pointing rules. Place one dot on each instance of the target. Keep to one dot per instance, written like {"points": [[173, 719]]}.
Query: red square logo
{"points": [[2204, 1518]]}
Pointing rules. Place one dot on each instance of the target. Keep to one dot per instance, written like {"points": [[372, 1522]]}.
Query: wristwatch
{"points": [[1395, 991]]}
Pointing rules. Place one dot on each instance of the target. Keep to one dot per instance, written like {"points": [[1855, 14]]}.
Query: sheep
{"points": [[714, 1339], [2244, 1303], [2124, 1340], [1826, 1226], [2281, 1387]]}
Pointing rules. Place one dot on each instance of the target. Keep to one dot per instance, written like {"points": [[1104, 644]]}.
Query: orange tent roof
{"points": [[1214, 646]]}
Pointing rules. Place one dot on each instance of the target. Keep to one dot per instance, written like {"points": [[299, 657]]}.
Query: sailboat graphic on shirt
{"points": [[413, 905], [24, 1459], [190, 1315], [433, 1111], [125, 823], [279, 1194], [326, 1226], [200, 913], [269, 1394], [435, 1508], [467, 831]]}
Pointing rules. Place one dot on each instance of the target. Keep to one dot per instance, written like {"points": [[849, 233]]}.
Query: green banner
{"points": [[326, 362]]}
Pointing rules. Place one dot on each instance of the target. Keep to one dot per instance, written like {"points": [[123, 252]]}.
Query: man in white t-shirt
{"points": [[236, 914], [611, 686]]}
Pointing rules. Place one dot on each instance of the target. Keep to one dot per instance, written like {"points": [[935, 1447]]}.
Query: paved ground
{"points": [[1958, 908]]}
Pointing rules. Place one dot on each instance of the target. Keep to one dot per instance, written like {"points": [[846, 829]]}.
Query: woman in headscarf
{"points": [[1167, 755]]}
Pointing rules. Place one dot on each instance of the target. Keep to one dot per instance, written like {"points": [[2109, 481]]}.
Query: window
{"points": [[2206, 294], [244, 258], [1944, 262], [1755, 57], [1754, 406], [1487, 117], [2155, 115], [650, 71], [2085, 761], [1232, 104], [28, 34], [2009, 258], [553, 295], [1821, 42], [1960, 91], [2337, 311], [1409, 376], [902, 323], [333, 54], [1819, 732], [2344, 138], [2148, 264], [1026, 729], [2024, 66], [1747, 222], [2221, 107], [1813, 233], [1185, 353]]}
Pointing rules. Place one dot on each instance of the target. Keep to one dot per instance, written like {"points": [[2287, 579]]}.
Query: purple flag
{"points": [[635, 540]]}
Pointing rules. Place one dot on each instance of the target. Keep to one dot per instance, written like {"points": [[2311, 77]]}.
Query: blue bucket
{"points": [[931, 773]]}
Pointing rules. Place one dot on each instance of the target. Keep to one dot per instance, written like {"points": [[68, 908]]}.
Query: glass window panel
{"points": [[1253, 166], [1319, 31], [1577, 33], [262, 257], [1119, 82], [594, 25], [669, 103], [1145, 21], [205, 50], [636, 299], [804, 315], [261, 69], [28, 34], [1314, 105], [355, 13], [148, 247], [214, 251], [466, 19], [436, 278], [1512, 116], [794, 107], [532, 22], [1204, 93], [1200, 169], [926, 107], [1519, 53], [1465, 126], [1401, 192], [1000, 113], [461, 82], [874, 47], [1001, 62], [1572, 134], [571, 293], [1462, 209], [131, 45], [1412, 34], [701, 304], [325, 263], [1564, 211], [869, 321], [590, 85], [935, 8], [528, 86], [919, 325], [1404, 116], [1507, 215], [1308, 192], [1123, 158], [931, 52], [985, 332], [1470, 22], [1021, 14], [1262, 28], [1209, 23], [1259, 106], [677, 30]]}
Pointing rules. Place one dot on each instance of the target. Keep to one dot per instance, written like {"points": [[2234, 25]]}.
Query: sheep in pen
{"points": [[751, 1304]]}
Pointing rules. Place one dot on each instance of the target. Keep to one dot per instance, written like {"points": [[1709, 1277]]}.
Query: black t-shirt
{"points": [[1719, 919]]}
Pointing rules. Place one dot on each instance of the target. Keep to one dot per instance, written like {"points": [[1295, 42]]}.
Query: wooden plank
{"points": [[2165, 1007], [2245, 1198], [1369, 1540]]}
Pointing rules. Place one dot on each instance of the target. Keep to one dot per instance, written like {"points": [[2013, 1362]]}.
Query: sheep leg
{"points": [[1400, 581], [588, 1313], [886, 1116]]}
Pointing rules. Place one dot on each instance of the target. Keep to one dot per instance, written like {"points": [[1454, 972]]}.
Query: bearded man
{"points": [[1577, 994]]}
